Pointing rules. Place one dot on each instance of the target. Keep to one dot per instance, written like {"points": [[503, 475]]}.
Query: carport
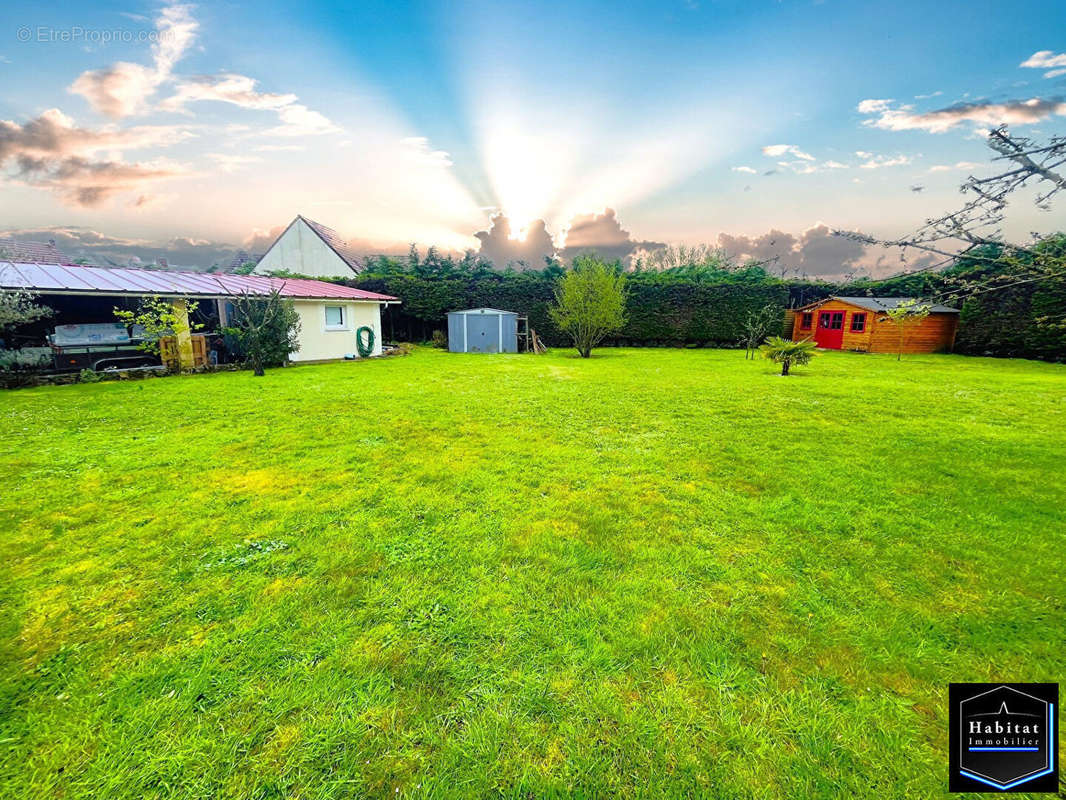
{"points": [[331, 314]]}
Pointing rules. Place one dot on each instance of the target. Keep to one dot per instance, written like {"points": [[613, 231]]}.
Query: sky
{"points": [[514, 129]]}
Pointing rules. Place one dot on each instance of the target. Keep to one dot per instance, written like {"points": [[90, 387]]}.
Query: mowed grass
{"points": [[652, 573]]}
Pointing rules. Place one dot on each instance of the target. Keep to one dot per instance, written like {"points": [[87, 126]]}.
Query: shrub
{"points": [[786, 352]]}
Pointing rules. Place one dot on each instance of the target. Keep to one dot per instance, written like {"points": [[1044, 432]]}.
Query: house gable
{"points": [[302, 250]]}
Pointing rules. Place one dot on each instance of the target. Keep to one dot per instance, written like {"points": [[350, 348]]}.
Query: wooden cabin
{"points": [[860, 323]]}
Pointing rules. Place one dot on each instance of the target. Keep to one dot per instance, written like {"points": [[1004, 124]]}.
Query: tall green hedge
{"points": [[682, 313], [1018, 321], [709, 306], [659, 313]]}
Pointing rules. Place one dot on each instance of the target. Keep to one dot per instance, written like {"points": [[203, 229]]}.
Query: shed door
{"points": [[830, 332], [482, 333]]}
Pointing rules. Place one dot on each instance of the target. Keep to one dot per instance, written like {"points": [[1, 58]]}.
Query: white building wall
{"points": [[317, 343], [302, 251]]}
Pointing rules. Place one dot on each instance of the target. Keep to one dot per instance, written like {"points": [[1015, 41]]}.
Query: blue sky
{"points": [[204, 127]]}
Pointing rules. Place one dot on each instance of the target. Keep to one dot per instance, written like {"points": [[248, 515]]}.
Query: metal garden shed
{"points": [[483, 330]]}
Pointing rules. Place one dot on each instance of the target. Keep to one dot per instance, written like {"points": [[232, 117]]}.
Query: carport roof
{"points": [[71, 279]]}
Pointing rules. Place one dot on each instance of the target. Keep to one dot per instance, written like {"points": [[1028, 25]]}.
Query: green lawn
{"points": [[652, 573]]}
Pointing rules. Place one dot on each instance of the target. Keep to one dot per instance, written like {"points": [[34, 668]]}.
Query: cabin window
{"points": [[334, 318], [858, 322], [837, 321], [807, 321]]}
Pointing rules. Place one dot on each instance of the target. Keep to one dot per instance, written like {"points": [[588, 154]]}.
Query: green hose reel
{"points": [[365, 349]]}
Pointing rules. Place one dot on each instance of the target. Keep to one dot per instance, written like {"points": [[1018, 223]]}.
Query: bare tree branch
{"points": [[978, 223]]}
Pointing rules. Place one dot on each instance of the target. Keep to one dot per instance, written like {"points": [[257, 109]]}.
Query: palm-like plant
{"points": [[786, 353]]}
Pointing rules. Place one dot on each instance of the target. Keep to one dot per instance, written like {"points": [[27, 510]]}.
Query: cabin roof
{"points": [[879, 303]]}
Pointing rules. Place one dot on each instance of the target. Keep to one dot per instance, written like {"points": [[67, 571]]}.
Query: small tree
{"points": [[786, 353], [158, 318], [758, 326], [266, 329], [903, 316], [590, 302]]}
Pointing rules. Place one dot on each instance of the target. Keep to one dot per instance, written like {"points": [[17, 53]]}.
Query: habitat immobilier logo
{"points": [[1004, 737]]}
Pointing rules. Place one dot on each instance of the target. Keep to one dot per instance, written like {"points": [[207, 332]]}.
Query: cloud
{"points": [[771, 245], [117, 91], [239, 90], [89, 183], [146, 201], [181, 251], [299, 120], [599, 233], [797, 167], [242, 91], [54, 134], [873, 106], [819, 252], [778, 150], [986, 113], [815, 252], [877, 162], [53, 153], [603, 234], [229, 162], [501, 249], [419, 150], [96, 247], [1055, 63], [805, 163], [123, 88], [956, 165], [260, 239]]}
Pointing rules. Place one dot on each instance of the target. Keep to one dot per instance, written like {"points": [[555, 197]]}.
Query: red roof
{"points": [[36, 252], [70, 279]]}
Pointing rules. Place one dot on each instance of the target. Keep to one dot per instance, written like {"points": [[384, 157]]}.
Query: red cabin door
{"points": [[830, 330]]}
